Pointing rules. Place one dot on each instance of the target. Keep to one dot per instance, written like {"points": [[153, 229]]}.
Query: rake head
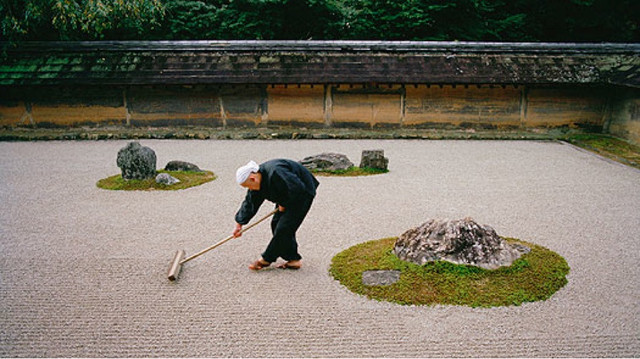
{"points": [[176, 265]]}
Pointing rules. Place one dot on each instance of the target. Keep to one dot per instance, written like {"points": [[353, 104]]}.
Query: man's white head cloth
{"points": [[243, 172]]}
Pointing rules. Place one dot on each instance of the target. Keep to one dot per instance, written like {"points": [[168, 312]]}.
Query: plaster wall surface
{"points": [[306, 105], [625, 116]]}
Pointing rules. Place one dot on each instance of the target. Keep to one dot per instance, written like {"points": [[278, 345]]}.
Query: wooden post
{"points": [[223, 115], [606, 113], [264, 105], [27, 115], [127, 113], [328, 105], [523, 106], [403, 104]]}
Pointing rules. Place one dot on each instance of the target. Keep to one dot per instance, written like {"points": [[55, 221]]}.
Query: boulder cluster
{"points": [[329, 161], [139, 162]]}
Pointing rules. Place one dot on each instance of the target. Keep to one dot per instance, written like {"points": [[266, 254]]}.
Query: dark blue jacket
{"points": [[284, 182]]}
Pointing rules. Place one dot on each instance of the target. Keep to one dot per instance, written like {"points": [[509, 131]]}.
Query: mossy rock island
{"points": [[516, 271]]}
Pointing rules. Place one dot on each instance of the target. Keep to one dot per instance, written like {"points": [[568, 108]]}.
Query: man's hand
{"points": [[280, 208], [238, 231]]}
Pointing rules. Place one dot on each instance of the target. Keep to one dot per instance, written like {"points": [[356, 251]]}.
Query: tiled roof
{"points": [[282, 62]]}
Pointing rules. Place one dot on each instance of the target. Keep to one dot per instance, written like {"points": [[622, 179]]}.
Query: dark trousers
{"points": [[284, 226]]}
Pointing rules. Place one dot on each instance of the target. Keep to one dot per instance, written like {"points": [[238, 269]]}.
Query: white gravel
{"points": [[83, 270]]}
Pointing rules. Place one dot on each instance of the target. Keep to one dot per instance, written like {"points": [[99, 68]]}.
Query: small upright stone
{"points": [[374, 159], [136, 161]]}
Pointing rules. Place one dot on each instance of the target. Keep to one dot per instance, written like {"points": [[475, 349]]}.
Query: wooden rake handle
{"points": [[228, 238]]}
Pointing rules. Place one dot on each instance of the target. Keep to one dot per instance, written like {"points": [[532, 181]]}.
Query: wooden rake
{"points": [[178, 261]]}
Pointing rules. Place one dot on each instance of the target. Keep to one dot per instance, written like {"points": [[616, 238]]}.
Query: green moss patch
{"points": [[608, 146], [534, 276], [350, 172], [187, 179]]}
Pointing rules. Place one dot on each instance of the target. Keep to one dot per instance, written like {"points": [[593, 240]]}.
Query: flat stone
{"points": [[327, 161], [182, 166], [380, 277]]}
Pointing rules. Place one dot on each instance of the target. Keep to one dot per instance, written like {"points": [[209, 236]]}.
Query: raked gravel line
{"points": [[83, 270]]}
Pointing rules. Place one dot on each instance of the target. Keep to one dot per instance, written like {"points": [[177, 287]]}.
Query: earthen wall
{"points": [[306, 105], [625, 115]]}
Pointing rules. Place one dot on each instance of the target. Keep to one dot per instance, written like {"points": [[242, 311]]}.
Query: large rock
{"points": [[137, 162], [182, 166], [457, 241], [327, 161], [374, 159]]}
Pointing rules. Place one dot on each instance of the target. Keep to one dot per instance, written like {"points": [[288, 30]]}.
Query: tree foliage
{"points": [[22, 19], [106, 19], [468, 20], [80, 19], [252, 19]]}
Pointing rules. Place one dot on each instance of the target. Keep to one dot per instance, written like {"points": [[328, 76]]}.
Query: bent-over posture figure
{"points": [[292, 188]]}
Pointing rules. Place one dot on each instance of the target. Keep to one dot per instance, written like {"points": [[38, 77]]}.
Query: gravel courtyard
{"points": [[83, 270]]}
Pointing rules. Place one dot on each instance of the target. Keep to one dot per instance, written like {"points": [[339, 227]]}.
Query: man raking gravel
{"points": [[292, 188]]}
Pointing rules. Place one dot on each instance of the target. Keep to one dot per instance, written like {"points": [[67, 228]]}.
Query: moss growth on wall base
{"points": [[608, 146]]}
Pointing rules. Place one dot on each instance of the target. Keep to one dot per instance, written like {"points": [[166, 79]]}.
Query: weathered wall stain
{"points": [[488, 106], [302, 105], [625, 116]]}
